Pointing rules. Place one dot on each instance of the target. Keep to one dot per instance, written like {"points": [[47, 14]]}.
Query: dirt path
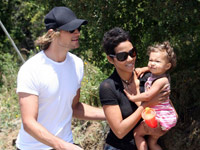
{"points": [[91, 135]]}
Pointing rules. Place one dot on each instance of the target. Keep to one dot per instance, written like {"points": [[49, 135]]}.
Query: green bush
{"points": [[9, 108], [90, 84]]}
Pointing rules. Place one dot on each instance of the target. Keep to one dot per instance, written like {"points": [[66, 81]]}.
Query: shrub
{"points": [[9, 108], [90, 84]]}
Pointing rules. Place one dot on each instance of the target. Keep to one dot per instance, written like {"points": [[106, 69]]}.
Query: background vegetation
{"points": [[147, 21]]}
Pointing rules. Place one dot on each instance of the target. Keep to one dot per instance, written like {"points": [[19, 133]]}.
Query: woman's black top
{"points": [[111, 93]]}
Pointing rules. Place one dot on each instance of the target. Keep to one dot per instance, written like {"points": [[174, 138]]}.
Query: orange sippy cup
{"points": [[149, 116]]}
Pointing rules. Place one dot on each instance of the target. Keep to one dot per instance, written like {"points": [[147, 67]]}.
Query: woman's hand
{"points": [[161, 97]]}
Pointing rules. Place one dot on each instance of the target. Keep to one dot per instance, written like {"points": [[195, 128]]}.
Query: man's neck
{"points": [[56, 52]]}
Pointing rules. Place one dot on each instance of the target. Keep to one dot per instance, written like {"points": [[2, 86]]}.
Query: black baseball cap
{"points": [[63, 18]]}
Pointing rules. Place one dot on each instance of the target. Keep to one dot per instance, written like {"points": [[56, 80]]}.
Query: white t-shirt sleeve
{"points": [[26, 81], [81, 73]]}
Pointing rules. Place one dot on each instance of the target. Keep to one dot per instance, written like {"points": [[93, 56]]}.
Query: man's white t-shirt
{"points": [[55, 84]]}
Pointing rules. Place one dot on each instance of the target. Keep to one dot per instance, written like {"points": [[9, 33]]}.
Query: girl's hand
{"points": [[140, 71], [129, 94]]}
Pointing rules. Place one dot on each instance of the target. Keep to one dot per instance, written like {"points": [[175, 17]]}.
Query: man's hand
{"points": [[69, 146]]}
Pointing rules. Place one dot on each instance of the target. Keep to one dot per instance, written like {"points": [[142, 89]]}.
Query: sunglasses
{"points": [[79, 29], [124, 55]]}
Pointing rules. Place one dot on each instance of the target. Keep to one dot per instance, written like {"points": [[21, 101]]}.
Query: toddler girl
{"points": [[161, 60]]}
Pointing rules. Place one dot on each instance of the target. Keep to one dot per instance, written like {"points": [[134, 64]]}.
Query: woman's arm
{"points": [[121, 126]]}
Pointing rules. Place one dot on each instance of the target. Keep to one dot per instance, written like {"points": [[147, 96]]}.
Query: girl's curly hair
{"points": [[165, 46]]}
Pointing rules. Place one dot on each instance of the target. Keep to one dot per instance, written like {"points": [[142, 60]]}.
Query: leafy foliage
{"points": [[147, 21], [90, 84], [8, 98]]}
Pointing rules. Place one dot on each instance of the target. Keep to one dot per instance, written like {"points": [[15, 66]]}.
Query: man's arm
{"points": [[84, 111], [29, 113]]}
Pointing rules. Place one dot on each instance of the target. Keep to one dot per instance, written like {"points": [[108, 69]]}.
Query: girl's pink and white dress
{"points": [[165, 112]]}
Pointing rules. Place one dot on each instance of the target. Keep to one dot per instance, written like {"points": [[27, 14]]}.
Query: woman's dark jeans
{"points": [[109, 147]]}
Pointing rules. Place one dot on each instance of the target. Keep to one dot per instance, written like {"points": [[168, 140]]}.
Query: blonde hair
{"points": [[166, 47], [44, 41]]}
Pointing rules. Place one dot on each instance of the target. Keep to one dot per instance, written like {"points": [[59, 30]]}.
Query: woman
{"points": [[122, 115]]}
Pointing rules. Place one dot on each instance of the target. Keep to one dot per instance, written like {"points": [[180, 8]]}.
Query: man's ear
{"points": [[110, 59], [50, 30]]}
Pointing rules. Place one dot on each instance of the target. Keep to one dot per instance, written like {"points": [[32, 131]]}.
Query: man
{"points": [[49, 84]]}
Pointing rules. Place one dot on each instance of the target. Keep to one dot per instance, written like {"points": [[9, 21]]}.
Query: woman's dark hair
{"points": [[113, 38]]}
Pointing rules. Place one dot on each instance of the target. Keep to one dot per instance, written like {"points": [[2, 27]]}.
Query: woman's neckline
{"points": [[129, 81]]}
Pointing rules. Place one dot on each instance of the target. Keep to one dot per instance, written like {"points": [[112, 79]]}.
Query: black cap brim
{"points": [[74, 24]]}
